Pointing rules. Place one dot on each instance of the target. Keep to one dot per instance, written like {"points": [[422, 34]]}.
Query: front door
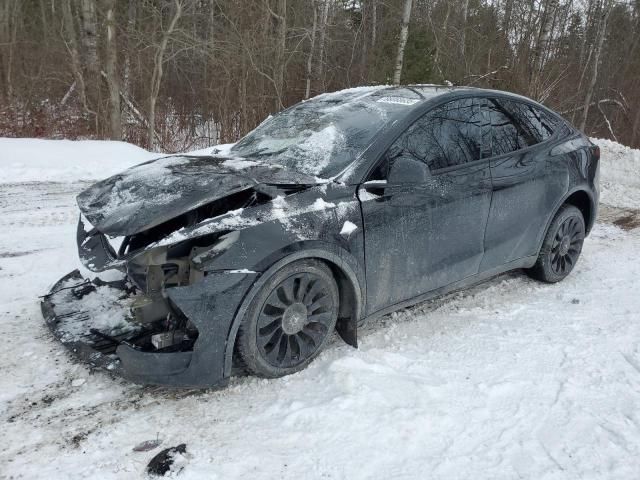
{"points": [[425, 233]]}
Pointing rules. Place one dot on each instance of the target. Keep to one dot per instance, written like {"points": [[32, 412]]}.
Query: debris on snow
{"points": [[164, 461], [147, 445]]}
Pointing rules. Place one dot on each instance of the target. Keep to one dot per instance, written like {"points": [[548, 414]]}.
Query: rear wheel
{"points": [[561, 247], [289, 320]]}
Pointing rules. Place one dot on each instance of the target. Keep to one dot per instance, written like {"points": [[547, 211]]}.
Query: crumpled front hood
{"points": [[156, 191]]}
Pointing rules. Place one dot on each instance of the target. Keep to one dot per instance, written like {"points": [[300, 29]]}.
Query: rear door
{"points": [[526, 181], [422, 235]]}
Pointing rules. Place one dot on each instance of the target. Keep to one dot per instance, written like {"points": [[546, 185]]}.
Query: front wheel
{"points": [[561, 247], [290, 319]]}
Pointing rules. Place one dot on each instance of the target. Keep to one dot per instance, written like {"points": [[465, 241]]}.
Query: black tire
{"points": [[561, 246], [290, 320]]}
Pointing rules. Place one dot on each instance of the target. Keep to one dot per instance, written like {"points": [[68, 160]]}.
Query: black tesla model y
{"points": [[343, 207]]}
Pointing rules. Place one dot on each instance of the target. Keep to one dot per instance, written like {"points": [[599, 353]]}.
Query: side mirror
{"points": [[408, 170]]}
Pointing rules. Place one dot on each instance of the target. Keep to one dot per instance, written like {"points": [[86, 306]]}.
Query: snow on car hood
{"points": [[156, 191]]}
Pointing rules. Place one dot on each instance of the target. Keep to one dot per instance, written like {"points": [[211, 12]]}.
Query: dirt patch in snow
{"points": [[625, 218]]}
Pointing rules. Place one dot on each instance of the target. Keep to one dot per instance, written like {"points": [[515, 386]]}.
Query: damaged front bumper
{"points": [[93, 319]]}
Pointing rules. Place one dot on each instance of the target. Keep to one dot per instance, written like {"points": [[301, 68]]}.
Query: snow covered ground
{"points": [[511, 379]]}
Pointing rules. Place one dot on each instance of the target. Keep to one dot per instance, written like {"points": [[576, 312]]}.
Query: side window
{"points": [[540, 124], [449, 135], [548, 123], [517, 125], [381, 170], [511, 130]]}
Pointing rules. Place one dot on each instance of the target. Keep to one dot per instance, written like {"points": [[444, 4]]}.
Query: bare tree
{"points": [[541, 46], [72, 47], [280, 18], [156, 77], [8, 30], [602, 29], [324, 18], [89, 42], [131, 23], [312, 46], [111, 68], [374, 22], [402, 42], [463, 29]]}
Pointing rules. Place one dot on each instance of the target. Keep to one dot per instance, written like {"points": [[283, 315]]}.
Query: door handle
{"points": [[377, 188], [377, 191]]}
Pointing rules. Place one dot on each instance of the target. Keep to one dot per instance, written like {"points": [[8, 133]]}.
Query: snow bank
{"points": [[619, 174], [38, 160]]}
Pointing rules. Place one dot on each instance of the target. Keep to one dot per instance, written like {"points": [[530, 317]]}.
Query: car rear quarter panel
{"points": [[574, 159]]}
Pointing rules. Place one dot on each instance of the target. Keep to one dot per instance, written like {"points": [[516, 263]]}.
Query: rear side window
{"points": [[449, 135], [517, 125], [548, 123]]}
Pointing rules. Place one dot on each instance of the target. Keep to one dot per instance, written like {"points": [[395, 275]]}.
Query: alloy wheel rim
{"points": [[566, 246], [294, 320]]}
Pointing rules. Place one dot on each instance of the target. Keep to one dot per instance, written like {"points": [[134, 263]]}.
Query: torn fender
{"points": [[211, 305]]}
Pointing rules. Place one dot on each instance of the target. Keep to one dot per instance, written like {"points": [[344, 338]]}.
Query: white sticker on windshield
{"points": [[398, 100]]}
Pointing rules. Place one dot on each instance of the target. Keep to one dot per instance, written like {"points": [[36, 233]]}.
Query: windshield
{"points": [[324, 135]]}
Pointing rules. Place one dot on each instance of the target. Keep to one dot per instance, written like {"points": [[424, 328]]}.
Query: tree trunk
{"points": [[314, 28], [281, 18], [439, 42], [374, 22], [156, 76], [463, 30], [364, 46], [541, 47], [8, 32], [131, 24], [602, 30], [402, 42], [506, 21], [89, 42], [111, 67], [72, 47], [324, 18]]}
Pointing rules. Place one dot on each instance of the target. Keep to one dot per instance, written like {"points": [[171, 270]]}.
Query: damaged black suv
{"points": [[340, 208]]}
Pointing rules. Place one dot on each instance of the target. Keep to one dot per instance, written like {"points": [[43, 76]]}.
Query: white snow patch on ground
{"points": [[510, 379]]}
